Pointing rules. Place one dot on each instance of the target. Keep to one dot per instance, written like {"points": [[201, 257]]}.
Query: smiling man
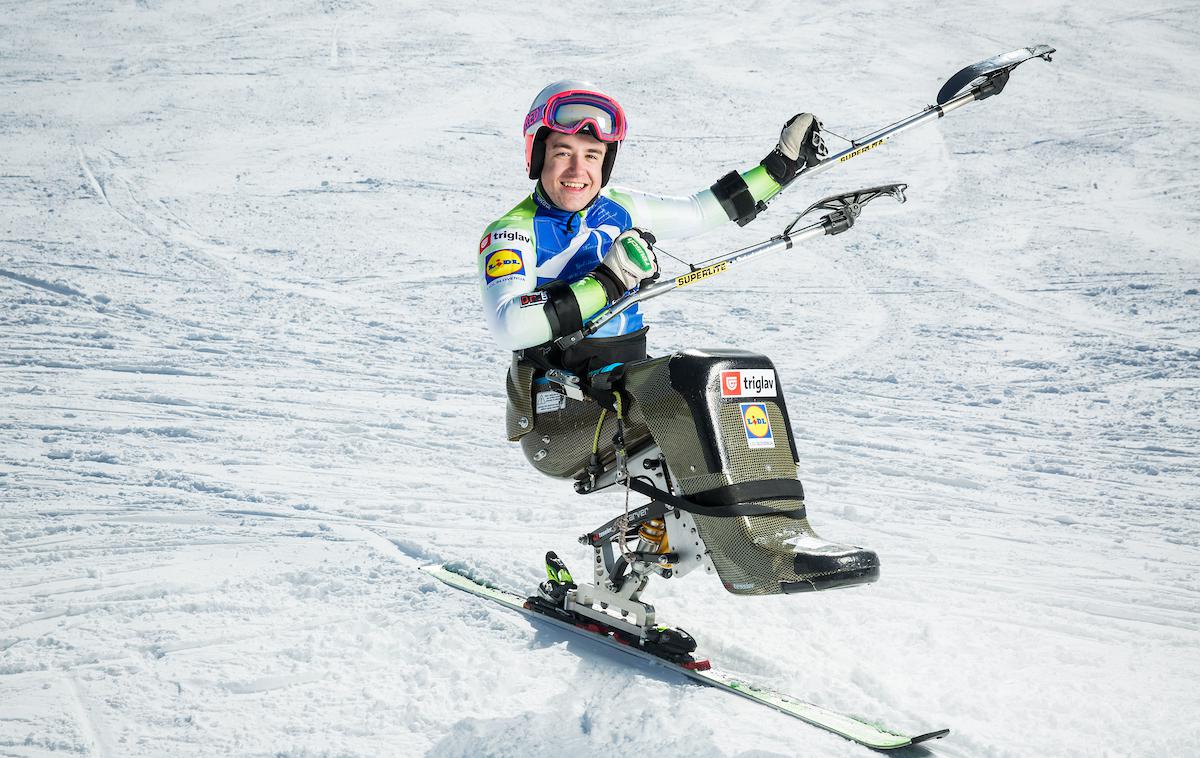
{"points": [[575, 245], [573, 169]]}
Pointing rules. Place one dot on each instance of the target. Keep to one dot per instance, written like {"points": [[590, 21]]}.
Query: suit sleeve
{"points": [[679, 217], [507, 277], [518, 313]]}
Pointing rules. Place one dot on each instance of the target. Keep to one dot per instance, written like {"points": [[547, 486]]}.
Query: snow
{"points": [[247, 390]]}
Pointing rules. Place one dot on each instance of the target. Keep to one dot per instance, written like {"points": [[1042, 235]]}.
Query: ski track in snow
{"points": [[247, 390]]}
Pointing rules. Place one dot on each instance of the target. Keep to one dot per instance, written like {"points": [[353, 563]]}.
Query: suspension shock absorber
{"points": [[653, 534]]}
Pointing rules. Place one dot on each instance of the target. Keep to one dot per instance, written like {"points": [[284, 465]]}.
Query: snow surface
{"points": [[247, 390]]}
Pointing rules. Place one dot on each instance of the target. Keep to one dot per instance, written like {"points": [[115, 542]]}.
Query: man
{"points": [[574, 246]]}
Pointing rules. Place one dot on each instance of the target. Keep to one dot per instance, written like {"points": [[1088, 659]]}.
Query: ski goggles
{"points": [[574, 110]]}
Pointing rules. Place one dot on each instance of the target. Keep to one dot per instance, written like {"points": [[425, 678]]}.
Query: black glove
{"points": [[800, 145]]}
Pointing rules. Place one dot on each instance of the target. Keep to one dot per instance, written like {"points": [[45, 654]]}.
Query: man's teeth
{"points": [[574, 185]]}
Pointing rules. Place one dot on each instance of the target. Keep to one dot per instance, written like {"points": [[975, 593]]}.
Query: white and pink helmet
{"points": [[571, 107]]}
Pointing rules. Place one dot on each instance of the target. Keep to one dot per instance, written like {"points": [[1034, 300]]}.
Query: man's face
{"points": [[571, 170]]}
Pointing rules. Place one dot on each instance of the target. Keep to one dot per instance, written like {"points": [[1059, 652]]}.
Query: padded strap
{"points": [[781, 168], [746, 492], [735, 197], [562, 310], [720, 511]]}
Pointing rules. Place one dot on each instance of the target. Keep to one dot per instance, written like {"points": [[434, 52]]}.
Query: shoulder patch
{"points": [[510, 236], [503, 264], [534, 298]]}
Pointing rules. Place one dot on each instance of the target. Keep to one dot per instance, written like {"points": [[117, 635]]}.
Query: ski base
{"points": [[864, 733]]}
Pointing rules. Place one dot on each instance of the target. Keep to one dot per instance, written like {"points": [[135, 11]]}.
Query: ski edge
{"points": [[851, 728]]}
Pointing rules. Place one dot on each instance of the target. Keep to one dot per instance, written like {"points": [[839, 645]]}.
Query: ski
{"points": [[864, 733]]}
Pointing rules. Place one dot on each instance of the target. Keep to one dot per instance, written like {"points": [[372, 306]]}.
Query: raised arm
{"points": [[737, 196]]}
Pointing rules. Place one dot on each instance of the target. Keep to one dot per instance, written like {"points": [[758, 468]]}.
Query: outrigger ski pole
{"points": [[980, 81], [843, 211]]}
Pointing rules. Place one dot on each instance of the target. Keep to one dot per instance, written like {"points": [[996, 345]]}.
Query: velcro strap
{"points": [[720, 511], [781, 168], [612, 288], [735, 197], [562, 310]]}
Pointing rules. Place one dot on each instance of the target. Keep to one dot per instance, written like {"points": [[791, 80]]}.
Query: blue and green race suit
{"points": [[527, 255]]}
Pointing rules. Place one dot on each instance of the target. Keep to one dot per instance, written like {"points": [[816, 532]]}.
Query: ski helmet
{"points": [[571, 107]]}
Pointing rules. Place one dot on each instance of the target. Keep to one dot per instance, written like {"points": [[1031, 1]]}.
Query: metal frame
{"points": [[617, 584]]}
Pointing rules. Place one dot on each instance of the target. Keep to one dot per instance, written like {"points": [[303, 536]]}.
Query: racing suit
{"points": [[535, 262]]}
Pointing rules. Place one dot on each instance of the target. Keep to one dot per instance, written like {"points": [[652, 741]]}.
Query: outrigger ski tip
{"points": [[993, 72], [700, 670]]}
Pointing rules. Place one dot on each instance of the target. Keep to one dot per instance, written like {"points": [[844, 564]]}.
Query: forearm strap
{"points": [[562, 309], [612, 288], [781, 168], [735, 197]]}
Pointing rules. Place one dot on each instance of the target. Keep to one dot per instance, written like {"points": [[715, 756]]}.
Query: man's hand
{"points": [[800, 145], [630, 260]]}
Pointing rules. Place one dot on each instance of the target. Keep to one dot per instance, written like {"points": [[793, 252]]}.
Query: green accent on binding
{"points": [[589, 293], [762, 186], [562, 576], [636, 252]]}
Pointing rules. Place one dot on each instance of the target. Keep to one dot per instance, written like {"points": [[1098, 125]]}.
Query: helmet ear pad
{"points": [[610, 158], [537, 156]]}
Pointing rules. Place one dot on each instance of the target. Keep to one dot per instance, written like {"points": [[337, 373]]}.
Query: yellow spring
{"points": [[654, 532]]}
